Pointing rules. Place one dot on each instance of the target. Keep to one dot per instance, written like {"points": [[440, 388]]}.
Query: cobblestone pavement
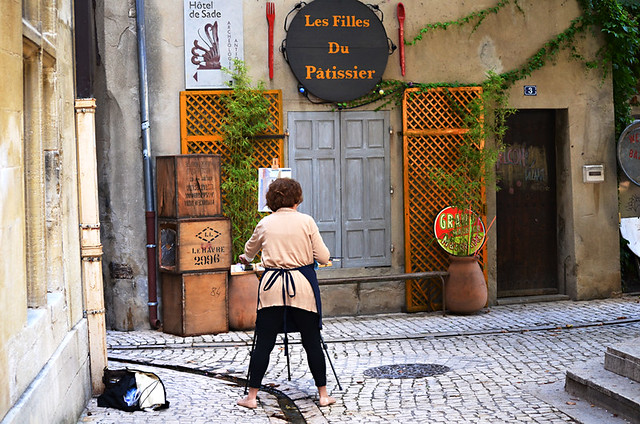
{"points": [[505, 364]]}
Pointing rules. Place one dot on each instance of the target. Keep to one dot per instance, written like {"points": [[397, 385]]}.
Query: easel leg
{"points": [[324, 346], [286, 352]]}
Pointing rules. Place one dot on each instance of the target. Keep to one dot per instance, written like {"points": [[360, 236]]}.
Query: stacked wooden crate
{"points": [[195, 245]]}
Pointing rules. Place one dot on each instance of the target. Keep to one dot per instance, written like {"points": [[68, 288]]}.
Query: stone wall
{"points": [[44, 358]]}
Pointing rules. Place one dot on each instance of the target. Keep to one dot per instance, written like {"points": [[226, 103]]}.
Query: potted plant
{"points": [[247, 116], [459, 229]]}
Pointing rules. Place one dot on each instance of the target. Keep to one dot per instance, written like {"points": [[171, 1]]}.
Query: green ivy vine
{"points": [[474, 163], [614, 19], [476, 18], [617, 21]]}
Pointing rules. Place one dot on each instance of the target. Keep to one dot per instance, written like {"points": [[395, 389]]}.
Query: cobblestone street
{"points": [[505, 364]]}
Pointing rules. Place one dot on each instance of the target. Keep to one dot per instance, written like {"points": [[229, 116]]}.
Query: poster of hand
{"points": [[213, 38]]}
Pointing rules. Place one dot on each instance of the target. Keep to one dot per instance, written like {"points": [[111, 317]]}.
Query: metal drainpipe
{"points": [[150, 214]]}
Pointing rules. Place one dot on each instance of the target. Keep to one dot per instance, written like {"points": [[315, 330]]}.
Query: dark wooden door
{"points": [[526, 206]]}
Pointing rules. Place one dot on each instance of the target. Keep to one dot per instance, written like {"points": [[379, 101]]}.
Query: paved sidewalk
{"points": [[505, 364]]}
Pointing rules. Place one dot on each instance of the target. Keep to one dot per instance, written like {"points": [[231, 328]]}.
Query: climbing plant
{"points": [[615, 20], [475, 18], [475, 160]]}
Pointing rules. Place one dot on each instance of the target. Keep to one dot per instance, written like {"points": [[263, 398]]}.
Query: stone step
{"points": [[624, 359], [531, 299], [606, 389]]}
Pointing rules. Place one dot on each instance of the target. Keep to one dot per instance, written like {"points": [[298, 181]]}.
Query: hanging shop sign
{"points": [[459, 232], [337, 49], [213, 37], [629, 152]]}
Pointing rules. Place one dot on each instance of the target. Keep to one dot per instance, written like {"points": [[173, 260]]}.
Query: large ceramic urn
{"points": [[466, 288]]}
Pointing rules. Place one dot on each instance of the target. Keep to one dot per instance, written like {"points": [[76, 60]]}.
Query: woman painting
{"points": [[288, 294]]}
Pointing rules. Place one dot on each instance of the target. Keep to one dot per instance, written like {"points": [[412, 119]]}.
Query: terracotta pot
{"points": [[466, 289], [243, 301]]}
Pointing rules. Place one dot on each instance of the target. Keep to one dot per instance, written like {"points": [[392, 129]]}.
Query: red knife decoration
{"points": [[401, 41]]}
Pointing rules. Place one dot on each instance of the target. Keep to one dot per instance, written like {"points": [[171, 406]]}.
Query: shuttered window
{"points": [[342, 162]]}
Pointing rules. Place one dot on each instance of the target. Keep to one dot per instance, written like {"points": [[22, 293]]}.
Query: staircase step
{"points": [[624, 359], [531, 299], [606, 389]]}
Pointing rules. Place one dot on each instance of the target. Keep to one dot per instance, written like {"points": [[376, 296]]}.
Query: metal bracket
{"points": [[86, 312], [92, 259], [90, 226]]}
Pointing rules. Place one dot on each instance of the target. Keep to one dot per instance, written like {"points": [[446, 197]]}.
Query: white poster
{"points": [[266, 177], [213, 37]]}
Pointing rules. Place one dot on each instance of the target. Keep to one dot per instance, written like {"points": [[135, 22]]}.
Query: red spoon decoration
{"points": [[401, 41]]}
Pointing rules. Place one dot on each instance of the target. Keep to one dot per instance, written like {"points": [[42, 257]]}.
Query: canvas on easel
{"points": [[265, 177]]}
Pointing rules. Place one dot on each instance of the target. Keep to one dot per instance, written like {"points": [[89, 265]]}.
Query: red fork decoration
{"points": [[271, 14]]}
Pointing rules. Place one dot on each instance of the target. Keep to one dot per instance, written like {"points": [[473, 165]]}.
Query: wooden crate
{"points": [[194, 304], [188, 186], [190, 245]]}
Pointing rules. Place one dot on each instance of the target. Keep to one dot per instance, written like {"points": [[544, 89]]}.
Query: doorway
{"points": [[526, 206]]}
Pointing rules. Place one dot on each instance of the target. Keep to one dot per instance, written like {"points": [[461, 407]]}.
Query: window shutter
{"points": [[366, 204], [314, 139], [341, 159]]}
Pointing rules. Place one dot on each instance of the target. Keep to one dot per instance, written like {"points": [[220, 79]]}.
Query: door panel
{"points": [[366, 170], [314, 160], [343, 166], [526, 206]]}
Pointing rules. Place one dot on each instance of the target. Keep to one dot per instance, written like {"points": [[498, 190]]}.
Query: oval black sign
{"points": [[629, 152], [337, 49]]}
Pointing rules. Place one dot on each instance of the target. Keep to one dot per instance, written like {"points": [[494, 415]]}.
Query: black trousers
{"points": [[268, 324]]}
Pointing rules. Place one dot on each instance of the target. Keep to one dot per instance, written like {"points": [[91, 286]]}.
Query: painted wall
{"points": [[120, 166], [588, 232], [44, 353]]}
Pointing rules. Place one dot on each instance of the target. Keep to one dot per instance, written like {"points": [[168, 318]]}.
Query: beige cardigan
{"points": [[288, 239]]}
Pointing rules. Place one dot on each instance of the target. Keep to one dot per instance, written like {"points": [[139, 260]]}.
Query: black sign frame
{"points": [[629, 152], [337, 49]]}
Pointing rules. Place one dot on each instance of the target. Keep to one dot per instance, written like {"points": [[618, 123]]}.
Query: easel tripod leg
{"points": [[324, 345]]}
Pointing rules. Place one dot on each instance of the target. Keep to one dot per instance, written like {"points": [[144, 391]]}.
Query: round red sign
{"points": [[629, 152], [460, 233]]}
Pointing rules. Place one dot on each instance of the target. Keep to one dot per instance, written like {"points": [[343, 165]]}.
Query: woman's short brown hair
{"points": [[283, 193]]}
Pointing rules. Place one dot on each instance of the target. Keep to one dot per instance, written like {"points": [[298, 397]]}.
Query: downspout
{"points": [[150, 213]]}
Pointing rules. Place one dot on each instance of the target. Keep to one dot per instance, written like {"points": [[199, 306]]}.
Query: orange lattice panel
{"points": [[202, 114], [432, 132]]}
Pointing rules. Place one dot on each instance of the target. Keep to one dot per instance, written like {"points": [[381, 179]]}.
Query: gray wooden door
{"points": [[342, 161]]}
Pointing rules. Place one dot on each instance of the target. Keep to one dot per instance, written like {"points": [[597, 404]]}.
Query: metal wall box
{"points": [[593, 173]]}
